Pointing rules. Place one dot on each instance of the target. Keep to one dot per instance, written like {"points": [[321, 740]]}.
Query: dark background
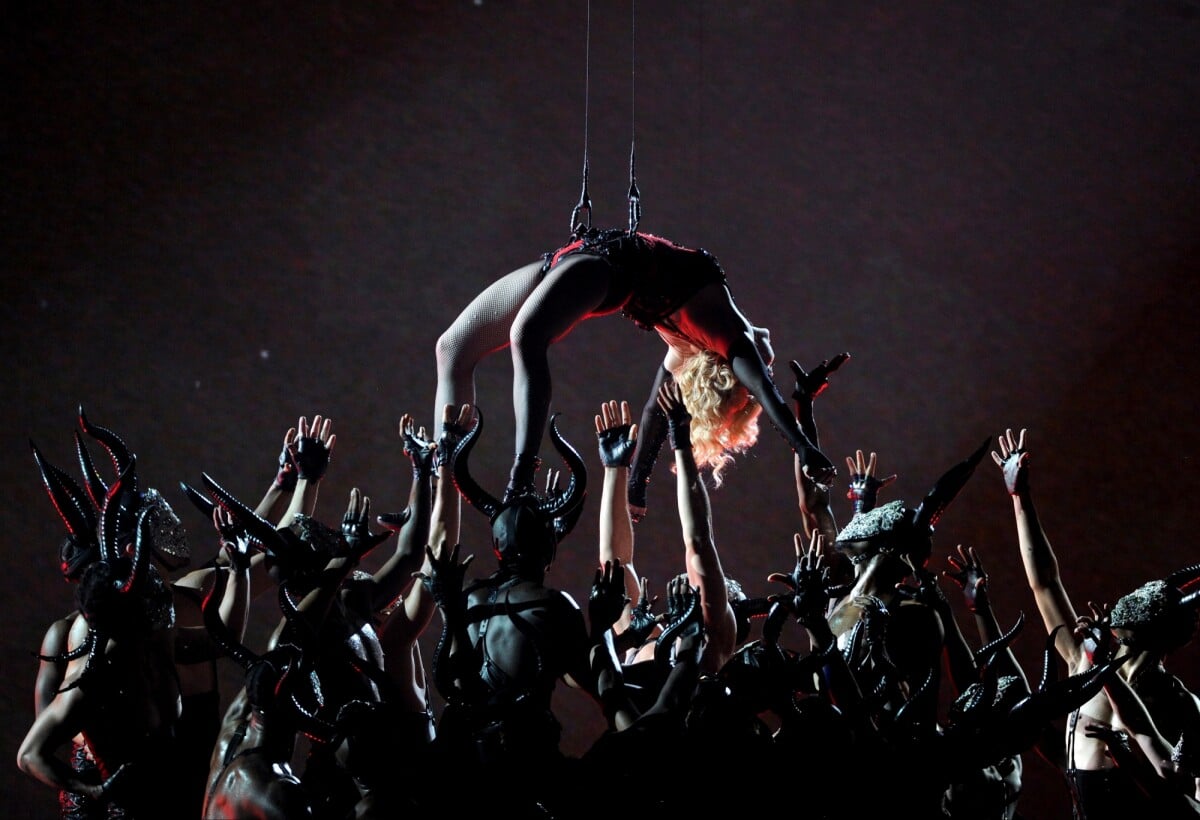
{"points": [[220, 217]]}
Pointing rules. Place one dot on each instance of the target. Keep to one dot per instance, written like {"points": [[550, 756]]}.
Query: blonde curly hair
{"points": [[724, 414]]}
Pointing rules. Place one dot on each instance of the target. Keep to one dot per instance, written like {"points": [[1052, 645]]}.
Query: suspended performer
{"points": [[721, 361]]}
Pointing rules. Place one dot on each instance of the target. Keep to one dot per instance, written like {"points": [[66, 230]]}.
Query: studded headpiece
{"points": [[1162, 611], [896, 528]]}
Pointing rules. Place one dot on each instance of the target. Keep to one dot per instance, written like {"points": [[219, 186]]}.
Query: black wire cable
{"points": [[581, 216]]}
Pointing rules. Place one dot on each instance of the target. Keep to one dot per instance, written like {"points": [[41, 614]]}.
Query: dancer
{"points": [[1150, 622], [507, 640], [679, 292]]}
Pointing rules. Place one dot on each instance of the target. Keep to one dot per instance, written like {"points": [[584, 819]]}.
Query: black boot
{"points": [[520, 480]]}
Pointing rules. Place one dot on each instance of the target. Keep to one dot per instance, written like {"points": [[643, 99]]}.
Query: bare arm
{"points": [[1039, 560], [234, 608], [957, 653], [314, 446], [617, 438], [411, 617], [966, 570], [51, 674], [695, 517], [396, 574], [285, 477], [816, 513], [53, 728]]}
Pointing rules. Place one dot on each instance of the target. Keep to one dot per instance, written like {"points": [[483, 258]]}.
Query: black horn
{"points": [[470, 490], [932, 507], [73, 504], [116, 447], [97, 487], [570, 503]]}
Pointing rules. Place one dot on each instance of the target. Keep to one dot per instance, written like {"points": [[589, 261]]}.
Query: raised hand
{"points": [[445, 578], [616, 434], [1013, 460], [966, 570], [394, 521], [810, 384], [926, 590], [417, 446], [864, 487], [285, 476], [808, 586], [1097, 637], [454, 427], [235, 540], [312, 447], [607, 599], [679, 420], [684, 618], [642, 619], [359, 539]]}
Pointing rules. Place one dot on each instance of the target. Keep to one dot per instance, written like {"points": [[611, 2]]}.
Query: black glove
{"points": [[616, 449], [285, 477], [447, 443], [359, 539], [652, 434], [812, 383], [679, 427], [312, 458], [445, 580], [864, 491], [607, 599], [422, 454]]}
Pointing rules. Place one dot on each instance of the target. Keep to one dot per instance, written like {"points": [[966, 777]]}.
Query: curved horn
{"points": [[117, 450], [570, 503], [1049, 670], [202, 502], [296, 620], [986, 654], [258, 527], [991, 683], [1185, 577], [73, 505], [114, 515], [97, 487], [141, 554], [307, 722], [1071, 693], [467, 487], [922, 692], [219, 631], [931, 508]]}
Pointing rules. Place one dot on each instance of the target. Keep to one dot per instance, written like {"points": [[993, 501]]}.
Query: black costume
{"points": [[652, 276]]}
